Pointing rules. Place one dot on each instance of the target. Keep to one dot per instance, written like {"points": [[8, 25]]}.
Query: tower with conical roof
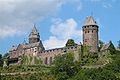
{"points": [[34, 36], [90, 34]]}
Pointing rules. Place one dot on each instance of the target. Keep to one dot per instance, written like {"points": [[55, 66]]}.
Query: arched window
{"points": [[46, 59], [50, 60]]}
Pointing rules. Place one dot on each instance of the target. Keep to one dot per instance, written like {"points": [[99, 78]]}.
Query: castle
{"points": [[36, 48]]}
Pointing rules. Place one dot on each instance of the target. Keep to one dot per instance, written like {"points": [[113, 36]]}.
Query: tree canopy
{"points": [[64, 66], [1, 60], [70, 42]]}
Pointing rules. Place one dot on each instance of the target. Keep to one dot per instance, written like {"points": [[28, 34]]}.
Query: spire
{"points": [[34, 35], [34, 30], [90, 21]]}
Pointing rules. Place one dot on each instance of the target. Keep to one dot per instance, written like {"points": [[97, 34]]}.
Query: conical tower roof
{"points": [[34, 33], [34, 30], [90, 21]]}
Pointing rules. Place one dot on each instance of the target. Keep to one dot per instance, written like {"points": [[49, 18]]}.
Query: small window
{"points": [[46, 60], [88, 31], [65, 51], [50, 60], [92, 31], [85, 40], [71, 47]]}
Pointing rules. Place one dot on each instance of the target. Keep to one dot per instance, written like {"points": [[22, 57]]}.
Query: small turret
{"points": [[34, 36]]}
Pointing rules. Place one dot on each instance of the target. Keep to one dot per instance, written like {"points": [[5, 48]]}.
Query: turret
{"points": [[90, 34], [34, 36]]}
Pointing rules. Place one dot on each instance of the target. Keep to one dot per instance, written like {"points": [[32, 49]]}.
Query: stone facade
{"points": [[35, 46], [90, 34]]}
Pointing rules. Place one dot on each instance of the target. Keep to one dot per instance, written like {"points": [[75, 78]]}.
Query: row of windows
{"points": [[88, 26], [48, 61], [90, 31], [59, 49]]}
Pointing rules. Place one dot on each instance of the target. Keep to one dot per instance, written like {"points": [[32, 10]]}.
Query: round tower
{"points": [[90, 34], [34, 36]]}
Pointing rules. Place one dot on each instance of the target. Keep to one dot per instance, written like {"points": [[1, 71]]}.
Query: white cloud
{"points": [[62, 31], [54, 42], [104, 3], [107, 5], [17, 15], [7, 31]]}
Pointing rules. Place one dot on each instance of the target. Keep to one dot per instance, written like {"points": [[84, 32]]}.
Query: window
{"points": [[88, 31], [71, 47], [85, 40], [46, 60], [92, 31], [50, 60]]}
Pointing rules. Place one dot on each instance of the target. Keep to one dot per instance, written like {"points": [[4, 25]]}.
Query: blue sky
{"points": [[56, 20]]}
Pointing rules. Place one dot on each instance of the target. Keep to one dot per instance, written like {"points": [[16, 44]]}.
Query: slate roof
{"points": [[90, 21], [34, 33], [105, 47]]}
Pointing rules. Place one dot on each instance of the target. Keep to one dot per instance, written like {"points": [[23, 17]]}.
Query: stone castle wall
{"points": [[48, 56]]}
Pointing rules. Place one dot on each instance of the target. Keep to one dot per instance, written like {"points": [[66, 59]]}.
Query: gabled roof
{"points": [[105, 47], [90, 21]]}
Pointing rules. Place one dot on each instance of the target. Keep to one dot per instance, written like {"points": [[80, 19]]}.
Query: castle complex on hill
{"points": [[36, 48]]}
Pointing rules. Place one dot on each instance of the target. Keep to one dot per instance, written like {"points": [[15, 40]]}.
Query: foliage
{"points": [[27, 60], [64, 66], [70, 42], [38, 60], [24, 68], [101, 43], [29, 76], [112, 48], [1, 60], [6, 55]]}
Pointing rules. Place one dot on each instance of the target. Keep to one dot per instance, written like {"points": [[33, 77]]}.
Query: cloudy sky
{"points": [[56, 20]]}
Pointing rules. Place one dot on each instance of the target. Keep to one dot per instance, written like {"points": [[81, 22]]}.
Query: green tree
{"points": [[1, 60], [112, 48], [6, 55], [101, 43], [70, 42], [64, 66]]}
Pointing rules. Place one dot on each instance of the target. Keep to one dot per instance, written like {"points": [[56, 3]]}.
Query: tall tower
{"points": [[90, 34], [34, 36]]}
